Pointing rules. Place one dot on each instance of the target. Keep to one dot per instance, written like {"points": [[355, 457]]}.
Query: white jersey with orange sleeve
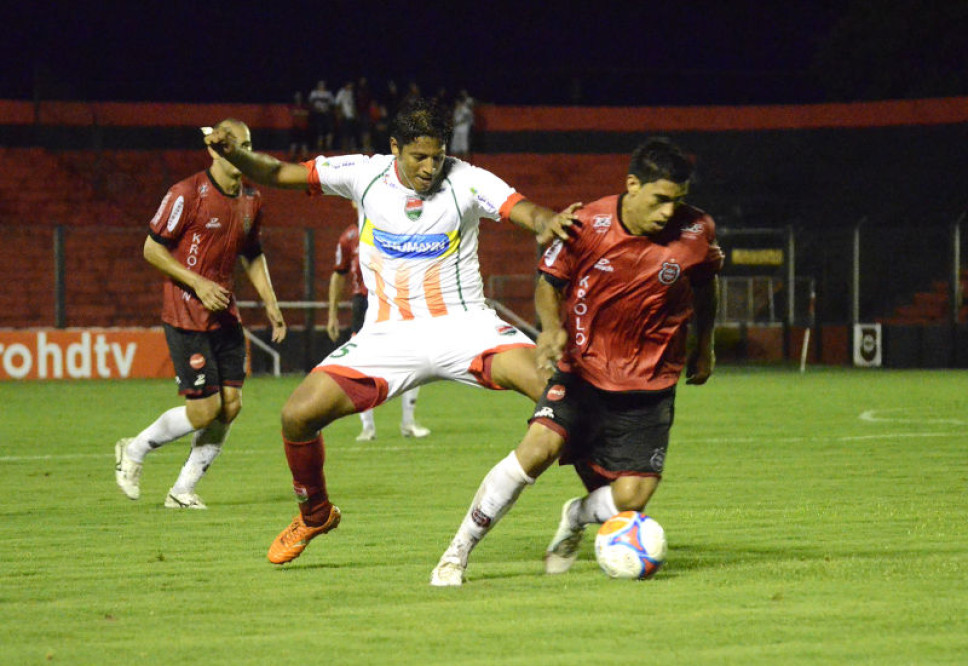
{"points": [[418, 253]]}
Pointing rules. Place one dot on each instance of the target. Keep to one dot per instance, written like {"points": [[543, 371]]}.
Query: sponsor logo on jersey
{"points": [[411, 246], [197, 361], [200, 380], [544, 413], [556, 392], [157, 217], [601, 223], [670, 272], [413, 207], [552, 252], [337, 163], [203, 190], [486, 203], [176, 213], [213, 224], [658, 460], [604, 264]]}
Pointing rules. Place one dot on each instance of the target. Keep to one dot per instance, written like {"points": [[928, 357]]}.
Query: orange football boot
{"points": [[293, 540]]}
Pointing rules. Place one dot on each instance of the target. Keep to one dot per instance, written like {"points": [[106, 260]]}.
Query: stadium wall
{"points": [[818, 168]]}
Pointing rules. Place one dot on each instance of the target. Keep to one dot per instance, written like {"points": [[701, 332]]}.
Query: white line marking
{"points": [[410, 447], [875, 416]]}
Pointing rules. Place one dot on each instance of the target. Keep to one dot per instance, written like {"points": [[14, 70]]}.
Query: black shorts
{"points": [[616, 433], [207, 360], [359, 312]]}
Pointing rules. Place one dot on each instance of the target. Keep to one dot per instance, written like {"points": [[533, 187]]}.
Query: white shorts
{"points": [[404, 354]]}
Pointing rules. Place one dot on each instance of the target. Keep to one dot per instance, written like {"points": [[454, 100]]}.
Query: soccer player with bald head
{"points": [[203, 227]]}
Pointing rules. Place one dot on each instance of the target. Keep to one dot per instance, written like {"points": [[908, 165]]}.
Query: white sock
{"points": [[596, 507], [206, 445], [496, 495], [408, 403], [168, 427], [368, 421]]}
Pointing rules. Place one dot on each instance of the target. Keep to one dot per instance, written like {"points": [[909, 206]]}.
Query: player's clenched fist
{"points": [[219, 139]]}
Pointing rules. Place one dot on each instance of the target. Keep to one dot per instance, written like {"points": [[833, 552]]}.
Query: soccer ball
{"points": [[630, 545]]}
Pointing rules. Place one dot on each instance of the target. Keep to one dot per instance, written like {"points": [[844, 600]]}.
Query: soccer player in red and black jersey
{"points": [[614, 305], [204, 225]]}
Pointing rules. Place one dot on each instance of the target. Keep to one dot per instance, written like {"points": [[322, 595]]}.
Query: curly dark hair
{"points": [[419, 117]]}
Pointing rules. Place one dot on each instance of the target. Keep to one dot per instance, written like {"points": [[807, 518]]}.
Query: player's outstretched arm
{"points": [[259, 167], [543, 222]]}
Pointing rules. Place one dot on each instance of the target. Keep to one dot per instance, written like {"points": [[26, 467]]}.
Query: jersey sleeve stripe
{"points": [[505, 210], [312, 181]]}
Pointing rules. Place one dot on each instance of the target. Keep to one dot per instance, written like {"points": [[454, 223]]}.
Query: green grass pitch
{"points": [[819, 518]]}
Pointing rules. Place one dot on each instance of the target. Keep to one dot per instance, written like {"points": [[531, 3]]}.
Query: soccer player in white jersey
{"points": [[427, 319]]}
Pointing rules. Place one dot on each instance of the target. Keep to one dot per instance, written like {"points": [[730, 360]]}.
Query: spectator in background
{"points": [[346, 117], [202, 225], [299, 132], [463, 123], [348, 263], [391, 100], [380, 126], [321, 102], [363, 98], [413, 92]]}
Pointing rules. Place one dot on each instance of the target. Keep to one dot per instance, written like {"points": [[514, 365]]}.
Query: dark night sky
{"points": [[649, 53]]}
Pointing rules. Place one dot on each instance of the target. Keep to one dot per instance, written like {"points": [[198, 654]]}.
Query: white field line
{"points": [[369, 448], [881, 416]]}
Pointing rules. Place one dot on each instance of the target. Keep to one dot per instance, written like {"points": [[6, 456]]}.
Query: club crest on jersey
{"points": [[670, 272], [246, 223], [413, 208]]}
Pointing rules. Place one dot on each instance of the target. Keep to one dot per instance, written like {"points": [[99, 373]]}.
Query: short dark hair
{"points": [[419, 117], [660, 159]]}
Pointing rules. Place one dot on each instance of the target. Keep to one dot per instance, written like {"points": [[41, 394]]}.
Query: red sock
{"points": [[306, 464]]}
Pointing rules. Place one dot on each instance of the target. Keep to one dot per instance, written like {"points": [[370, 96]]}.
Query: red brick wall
{"points": [[104, 202]]}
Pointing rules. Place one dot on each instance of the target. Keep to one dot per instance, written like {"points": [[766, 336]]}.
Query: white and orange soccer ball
{"points": [[630, 545]]}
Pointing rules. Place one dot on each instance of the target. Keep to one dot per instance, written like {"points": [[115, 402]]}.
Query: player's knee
{"points": [[299, 420], [633, 493], [231, 407], [539, 449], [202, 412]]}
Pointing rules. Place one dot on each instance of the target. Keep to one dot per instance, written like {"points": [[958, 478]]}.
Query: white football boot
{"points": [[563, 549], [127, 473], [366, 435], [183, 501], [414, 430], [449, 572]]}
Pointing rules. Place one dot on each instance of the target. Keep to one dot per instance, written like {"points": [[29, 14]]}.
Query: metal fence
{"points": [[794, 276]]}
